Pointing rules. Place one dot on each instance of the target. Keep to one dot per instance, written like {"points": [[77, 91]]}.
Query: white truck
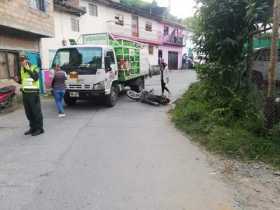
{"points": [[260, 67], [101, 66]]}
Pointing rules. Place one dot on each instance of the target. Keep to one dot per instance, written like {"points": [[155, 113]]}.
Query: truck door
{"points": [[113, 74]]}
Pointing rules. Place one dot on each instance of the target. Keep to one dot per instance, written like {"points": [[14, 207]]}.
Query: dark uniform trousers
{"points": [[32, 106]]}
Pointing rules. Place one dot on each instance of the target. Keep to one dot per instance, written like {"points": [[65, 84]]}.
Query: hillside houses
{"points": [[40, 27], [22, 24], [160, 38]]}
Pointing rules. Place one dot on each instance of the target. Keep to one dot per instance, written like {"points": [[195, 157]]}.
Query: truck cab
{"points": [[91, 71], [99, 70]]}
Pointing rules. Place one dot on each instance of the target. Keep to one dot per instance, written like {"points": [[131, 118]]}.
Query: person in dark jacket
{"points": [[164, 77], [30, 87], [58, 85]]}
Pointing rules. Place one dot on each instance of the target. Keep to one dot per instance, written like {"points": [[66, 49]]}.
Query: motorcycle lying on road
{"points": [[7, 95], [148, 97]]}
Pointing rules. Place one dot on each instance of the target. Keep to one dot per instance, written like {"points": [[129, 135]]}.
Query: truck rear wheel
{"points": [[69, 101], [112, 98], [138, 85]]}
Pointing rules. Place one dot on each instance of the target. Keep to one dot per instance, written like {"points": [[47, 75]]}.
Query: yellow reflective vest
{"points": [[27, 83]]}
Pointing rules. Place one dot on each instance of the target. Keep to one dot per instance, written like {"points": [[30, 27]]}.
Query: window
{"points": [[266, 55], [84, 58], [166, 30], [149, 26], [92, 10], [84, 8], [51, 56], [263, 55], [8, 65], [151, 49], [119, 20], [38, 4], [111, 55], [75, 24]]}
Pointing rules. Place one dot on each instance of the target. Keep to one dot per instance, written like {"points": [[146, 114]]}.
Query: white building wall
{"points": [[104, 22], [101, 23], [63, 31], [152, 58], [154, 35]]}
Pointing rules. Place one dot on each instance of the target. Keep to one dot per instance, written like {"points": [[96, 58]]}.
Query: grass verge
{"points": [[242, 138]]}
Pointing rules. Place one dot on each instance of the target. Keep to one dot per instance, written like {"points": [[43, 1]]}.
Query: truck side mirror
{"points": [[108, 62]]}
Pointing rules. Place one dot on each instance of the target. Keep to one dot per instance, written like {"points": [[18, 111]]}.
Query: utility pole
{"points": [[274, 50], [270, 107]]}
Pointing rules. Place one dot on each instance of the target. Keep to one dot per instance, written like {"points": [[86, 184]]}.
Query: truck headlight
{"points": [[99, 86]]}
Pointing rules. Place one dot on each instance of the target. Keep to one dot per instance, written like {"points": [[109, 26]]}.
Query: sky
{"points": [[179, 8]]}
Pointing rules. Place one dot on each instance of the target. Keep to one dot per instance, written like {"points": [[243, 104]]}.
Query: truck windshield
{"points": [[82, 59]]}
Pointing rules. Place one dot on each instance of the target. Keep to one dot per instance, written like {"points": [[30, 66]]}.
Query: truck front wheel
{"points": [[112, 98], [69, 101]]}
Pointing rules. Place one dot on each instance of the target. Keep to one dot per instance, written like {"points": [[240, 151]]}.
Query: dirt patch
{"points": [[257, 185]]}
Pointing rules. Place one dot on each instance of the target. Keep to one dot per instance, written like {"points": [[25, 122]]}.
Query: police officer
{"points": [[29, 75]]}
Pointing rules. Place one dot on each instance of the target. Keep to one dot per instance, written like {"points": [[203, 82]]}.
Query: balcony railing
{"points": [[177, 40], [127, 30]]}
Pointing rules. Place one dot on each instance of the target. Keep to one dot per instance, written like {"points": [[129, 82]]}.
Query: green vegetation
{"points": [[147, 6], [137, 3], [190, 23], [225, 110], [234, 129]]}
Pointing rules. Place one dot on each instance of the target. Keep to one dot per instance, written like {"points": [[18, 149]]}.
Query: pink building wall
{"points": [[167, 49], [173, 42]]}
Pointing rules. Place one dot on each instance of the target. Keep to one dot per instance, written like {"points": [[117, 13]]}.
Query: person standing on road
{"points": [[58, 85], [164, 79], [29, 79]]}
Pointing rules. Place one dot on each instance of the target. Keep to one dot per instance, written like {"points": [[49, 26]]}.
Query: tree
{"points": [[190, 23], [137, 3], [224, 32]]}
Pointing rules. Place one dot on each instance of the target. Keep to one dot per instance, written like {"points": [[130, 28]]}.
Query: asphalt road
{"points": [[129, 157]]}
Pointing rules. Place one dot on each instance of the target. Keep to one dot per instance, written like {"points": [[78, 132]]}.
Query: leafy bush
{"points": [[233, 126], [191, 108], [238, 142], [224, 111]]}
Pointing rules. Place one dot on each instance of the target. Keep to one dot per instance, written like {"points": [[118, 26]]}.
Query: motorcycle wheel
{"points": [[133, 95]]}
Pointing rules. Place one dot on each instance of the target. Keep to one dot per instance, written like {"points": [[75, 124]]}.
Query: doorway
{"points": [[159, 56], [172, 60]]}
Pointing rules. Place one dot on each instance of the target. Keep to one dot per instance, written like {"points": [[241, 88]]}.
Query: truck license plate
{"points": [[74, 94]]}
